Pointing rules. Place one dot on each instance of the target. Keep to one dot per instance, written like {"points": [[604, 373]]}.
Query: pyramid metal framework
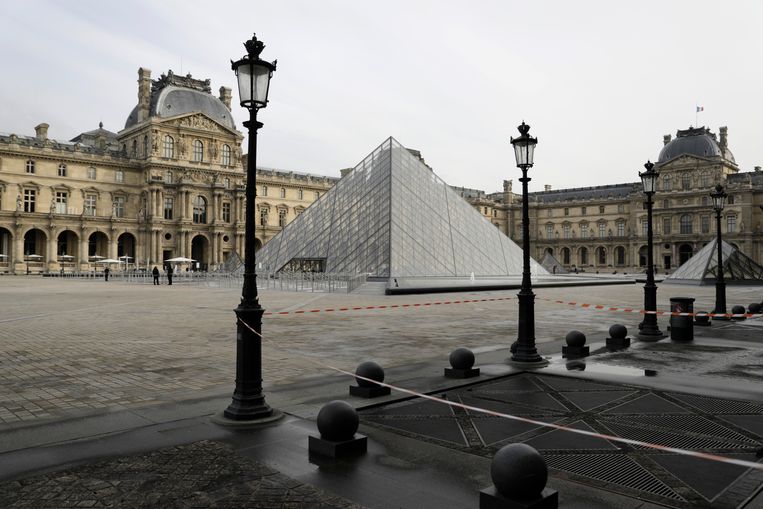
{"points": [[391, 216], [552, 265], [702, 268]]}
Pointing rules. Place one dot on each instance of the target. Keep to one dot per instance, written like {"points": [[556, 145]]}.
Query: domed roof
{"points": [[174, 95], [697, 142]]}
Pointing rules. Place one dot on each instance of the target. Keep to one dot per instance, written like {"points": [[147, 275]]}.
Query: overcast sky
{"points": [[600, 82]]}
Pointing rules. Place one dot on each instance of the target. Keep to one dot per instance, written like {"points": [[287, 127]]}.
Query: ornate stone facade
{"points": [[170, 184], [603, 228]]}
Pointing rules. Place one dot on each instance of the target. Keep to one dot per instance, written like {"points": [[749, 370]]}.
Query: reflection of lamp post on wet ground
{"points": [[649, 331], [523, 351], [719, 201], [248, 403]]}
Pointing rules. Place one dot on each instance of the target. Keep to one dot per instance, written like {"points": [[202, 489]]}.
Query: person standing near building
{"points": [[106, 273], [169, 274], [155, 273]]}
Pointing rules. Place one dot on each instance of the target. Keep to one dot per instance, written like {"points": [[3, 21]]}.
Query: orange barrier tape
{"points": [[658, 313], [386, 306], [695, 454]]}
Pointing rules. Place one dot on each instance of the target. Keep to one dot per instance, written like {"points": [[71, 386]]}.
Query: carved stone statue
{"points": [[18, 203]]}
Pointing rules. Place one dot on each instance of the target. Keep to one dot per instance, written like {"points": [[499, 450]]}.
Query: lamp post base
{"points": [[651, 335], [221, 420]]}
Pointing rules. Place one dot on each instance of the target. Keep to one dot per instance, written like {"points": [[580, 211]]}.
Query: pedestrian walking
{"points": [[106, 273], [169, 274], [155, 272]]}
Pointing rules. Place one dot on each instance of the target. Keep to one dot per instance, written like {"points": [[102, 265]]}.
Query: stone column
{"points": [[50, 255]]}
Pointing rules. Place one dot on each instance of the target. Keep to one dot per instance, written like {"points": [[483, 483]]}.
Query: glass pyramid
{"points": [[702, 268], [391, 216]]}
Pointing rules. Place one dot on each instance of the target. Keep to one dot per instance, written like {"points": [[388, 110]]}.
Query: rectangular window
{"points": [[731, 199], [685, 182], [119, 176], [583, 231], [300, 194], [264, 190], [621, 229], [731, 224], [30, 166], [281, 218], [666, 225], [61, 201], [566, 211], [566, 229], [61, 170], [667, 184], [666, 204], [263, 217], [601, 209], [644, 228], [317, 195], [549, 231], [29, 200], [602, 230], [119, 206], [283, 193], [550, 213], [704, 224], [620, 208], [583, 211], [226, 212], [168, 206], [89, 205], [227, 183], [91, 173]]}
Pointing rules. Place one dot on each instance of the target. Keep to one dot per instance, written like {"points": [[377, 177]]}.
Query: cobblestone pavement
{"points": [[73, 347], [199, 475]]}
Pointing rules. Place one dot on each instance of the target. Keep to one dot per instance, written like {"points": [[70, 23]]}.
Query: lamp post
{"points": [[248, 403], [523, 351], [719, 200], [649, 331]]}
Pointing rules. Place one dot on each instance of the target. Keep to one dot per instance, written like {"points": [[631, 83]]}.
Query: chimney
{"points": [[507, 196], [225, 96], [757, 169], [724, 139], [666, 139], [144, 93], [547, 187], [42, 131]]}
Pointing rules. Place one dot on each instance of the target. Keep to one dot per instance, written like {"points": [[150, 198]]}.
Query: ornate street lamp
{"points": [[523, 351], [719, 201], [248, 403], [649, 331]]}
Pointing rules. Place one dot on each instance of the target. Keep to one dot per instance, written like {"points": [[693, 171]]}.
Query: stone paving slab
{"points": [[203, 474]]}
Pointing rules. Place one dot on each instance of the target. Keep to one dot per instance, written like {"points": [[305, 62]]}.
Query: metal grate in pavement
{"points": [[718, 405]]}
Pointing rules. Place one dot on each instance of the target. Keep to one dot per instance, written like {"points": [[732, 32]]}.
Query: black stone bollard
{"points": [[519, 475], [618, 337], [366, 389], [682, 327], [337, 423], [702, 319], [754, 308], [575, 345], [462, 362], [738, 310]]}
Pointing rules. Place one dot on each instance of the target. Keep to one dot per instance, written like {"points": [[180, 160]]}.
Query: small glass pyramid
{"points": [[391, 216], [702, 268]]}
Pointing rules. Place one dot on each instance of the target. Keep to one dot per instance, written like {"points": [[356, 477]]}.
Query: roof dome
{"points": [[173, 95], [697, 142]]}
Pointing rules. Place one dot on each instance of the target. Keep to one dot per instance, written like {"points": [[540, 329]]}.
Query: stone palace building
{"points": [[171, 184]]}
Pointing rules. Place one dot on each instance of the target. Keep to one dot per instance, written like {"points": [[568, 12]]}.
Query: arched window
{"points": [[200, 210], [666, 183], [198, 151], [685, 182], [566, 255], [134, 148], [602, 256], [169, 147], [705, 180], [686, 221], [226, 155], [145, 146]]}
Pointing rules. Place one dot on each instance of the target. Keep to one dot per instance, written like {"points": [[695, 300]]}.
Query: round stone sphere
{"points": [[701, 318], [754, 308], [575, 338], [737, 310], [461, 358], [618, 331], [337, 421], [518, 471], [370, 370]]}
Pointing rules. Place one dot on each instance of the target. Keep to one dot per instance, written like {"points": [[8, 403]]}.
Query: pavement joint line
{"points": [[386, 306], [67, 311], [638, 443]]}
